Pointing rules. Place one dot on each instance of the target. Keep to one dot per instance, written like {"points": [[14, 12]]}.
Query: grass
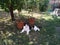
{"points": [[9, 34]]}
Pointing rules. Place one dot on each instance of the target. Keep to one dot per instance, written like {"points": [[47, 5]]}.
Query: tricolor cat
{"points": [[28, 29]]}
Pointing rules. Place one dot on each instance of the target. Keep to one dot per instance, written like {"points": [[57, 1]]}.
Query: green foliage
{"points": [[17, 4], [43, 5], [30, 4]]}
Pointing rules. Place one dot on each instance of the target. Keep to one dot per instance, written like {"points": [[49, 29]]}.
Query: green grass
{"points": [[10, 35]]}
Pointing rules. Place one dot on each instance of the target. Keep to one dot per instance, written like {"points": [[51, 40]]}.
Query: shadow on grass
{"points": [[9, 34]]}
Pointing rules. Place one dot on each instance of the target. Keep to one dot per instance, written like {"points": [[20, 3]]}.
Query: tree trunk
{"points": [[11, 12]]}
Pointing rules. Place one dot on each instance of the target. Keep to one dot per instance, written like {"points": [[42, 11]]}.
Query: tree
{"points": [[10, 5], [40, 5], [43, 5]]}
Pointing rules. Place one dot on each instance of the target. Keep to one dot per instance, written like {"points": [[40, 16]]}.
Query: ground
{"points": [[10, 35]]}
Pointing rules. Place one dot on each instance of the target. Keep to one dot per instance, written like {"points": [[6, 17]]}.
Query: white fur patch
{"points": [[36, 28], [25, 28]]}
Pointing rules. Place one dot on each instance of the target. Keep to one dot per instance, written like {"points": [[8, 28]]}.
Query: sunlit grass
{"points": [[47, 17], [4, 19]]}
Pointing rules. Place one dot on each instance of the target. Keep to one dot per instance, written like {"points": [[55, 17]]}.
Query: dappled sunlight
{"points": [[32, 14], [10, 35], [20, 16], [47, 17], [31, 42], [5, 19]]}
